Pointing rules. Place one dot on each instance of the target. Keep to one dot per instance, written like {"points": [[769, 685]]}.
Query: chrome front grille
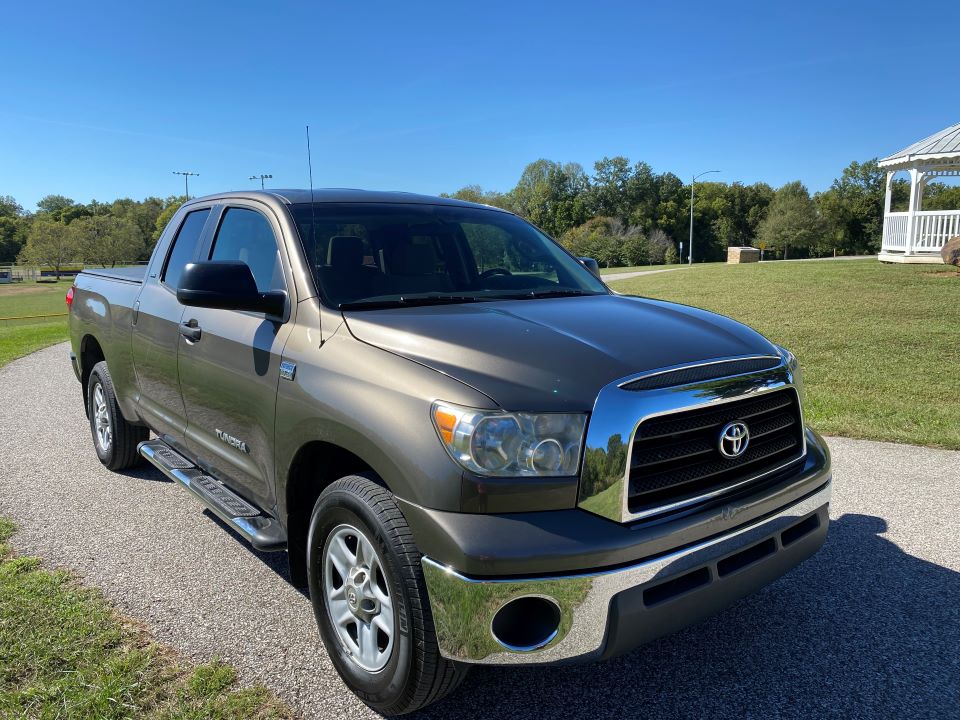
{"points": [[654, 448], [677, 456]]}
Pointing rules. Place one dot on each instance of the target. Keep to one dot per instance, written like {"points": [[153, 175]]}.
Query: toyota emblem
{"points": [[734, 439]]}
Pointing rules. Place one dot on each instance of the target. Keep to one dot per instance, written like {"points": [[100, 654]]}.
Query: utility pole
{"points": [[261, 178], [186, 180], [692, 183]]}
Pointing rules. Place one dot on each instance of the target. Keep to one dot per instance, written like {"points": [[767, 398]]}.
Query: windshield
{"points": [[370, 255]]}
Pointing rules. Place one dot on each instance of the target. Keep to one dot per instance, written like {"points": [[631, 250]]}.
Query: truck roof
{"points": [[341, 195]]}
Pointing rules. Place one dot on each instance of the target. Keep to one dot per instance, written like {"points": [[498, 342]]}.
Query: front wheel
{"points": [[370, 599]]}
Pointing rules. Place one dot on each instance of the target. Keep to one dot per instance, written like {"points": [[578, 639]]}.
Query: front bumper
{"points": [[612, 611]]}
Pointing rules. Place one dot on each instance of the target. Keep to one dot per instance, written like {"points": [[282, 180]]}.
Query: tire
{"points": [[114, 439], [408, 672]]}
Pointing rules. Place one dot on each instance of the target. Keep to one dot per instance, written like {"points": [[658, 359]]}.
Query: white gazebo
{"points": [[916, 236]]}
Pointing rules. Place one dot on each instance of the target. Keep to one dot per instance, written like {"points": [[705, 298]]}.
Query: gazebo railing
{"points": [[935, 228], [895, 231], [931, 230]]}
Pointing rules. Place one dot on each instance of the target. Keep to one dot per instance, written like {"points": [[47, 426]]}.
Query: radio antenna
{"points": [[313, 219]]}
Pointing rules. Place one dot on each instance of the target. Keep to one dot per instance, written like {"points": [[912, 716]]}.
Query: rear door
{"points": [[229, 376], [156, 337]]}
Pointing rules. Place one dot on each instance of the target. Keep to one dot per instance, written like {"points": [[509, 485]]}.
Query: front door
{"points": [[229, 375]]}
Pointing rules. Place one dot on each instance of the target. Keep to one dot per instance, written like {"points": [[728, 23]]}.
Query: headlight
{"points": [[511, 444]]}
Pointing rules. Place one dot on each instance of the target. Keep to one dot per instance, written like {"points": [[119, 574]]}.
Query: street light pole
{"points": [[692, 183], [261, 178], [186, 180]]}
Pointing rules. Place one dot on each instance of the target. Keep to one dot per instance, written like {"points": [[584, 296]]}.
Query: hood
{"points": [[553, 354]]}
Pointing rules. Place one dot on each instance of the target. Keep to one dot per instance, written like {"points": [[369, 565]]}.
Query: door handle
{"points": [[190, 330]]}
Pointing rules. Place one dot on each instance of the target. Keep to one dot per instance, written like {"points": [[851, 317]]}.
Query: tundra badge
{"points": [[232, 441]]}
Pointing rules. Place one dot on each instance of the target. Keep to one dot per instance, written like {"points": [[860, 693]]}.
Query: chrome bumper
{"points": [[676, 589]]}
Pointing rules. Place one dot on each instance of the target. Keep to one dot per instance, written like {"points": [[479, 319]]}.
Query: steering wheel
{"points": [[494, 271]]}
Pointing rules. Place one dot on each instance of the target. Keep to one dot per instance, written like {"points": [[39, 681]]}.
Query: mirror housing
{"points": [[226, 285], [591, 265]]}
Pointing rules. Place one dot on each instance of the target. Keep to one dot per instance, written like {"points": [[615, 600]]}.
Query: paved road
{"points": [[610, 277], [868, 628]]}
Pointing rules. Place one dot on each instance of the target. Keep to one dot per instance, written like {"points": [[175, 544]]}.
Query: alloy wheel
{"points": [[101, 418], [357, 596]]}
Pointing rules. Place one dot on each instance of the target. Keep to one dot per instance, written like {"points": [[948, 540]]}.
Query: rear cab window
{"points": [[184, 248]]}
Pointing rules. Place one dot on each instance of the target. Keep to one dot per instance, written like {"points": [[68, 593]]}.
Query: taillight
{"points": [[70, 296]]}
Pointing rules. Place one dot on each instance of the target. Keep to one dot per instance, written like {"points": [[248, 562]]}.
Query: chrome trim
{"points": [[584, 599], [288, 370], [617, 413], [261, 531], [687, 366]]}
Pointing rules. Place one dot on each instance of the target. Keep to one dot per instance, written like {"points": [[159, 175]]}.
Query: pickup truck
{"points": [[471, 450]]}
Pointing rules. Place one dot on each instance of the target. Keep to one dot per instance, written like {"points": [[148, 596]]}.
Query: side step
{"points": [[260, 530]]}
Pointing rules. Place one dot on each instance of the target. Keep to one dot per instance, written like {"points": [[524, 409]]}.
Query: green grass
{"points": [[32, 298], [879, 344], [65, 653], [21, 337]]}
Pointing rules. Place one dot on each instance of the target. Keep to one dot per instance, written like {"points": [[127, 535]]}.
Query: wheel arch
{"points": [[91, 353], [315, 466]]}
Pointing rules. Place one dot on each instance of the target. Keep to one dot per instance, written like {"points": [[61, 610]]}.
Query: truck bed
{"points": [[134, 274]]}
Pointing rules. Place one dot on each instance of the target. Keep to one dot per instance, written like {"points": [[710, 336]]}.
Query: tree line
{"points": [[622, 214], [62, 232], [626, 214]]}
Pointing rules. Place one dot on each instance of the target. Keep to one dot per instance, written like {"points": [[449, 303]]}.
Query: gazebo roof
{"points": [[939, 146]]}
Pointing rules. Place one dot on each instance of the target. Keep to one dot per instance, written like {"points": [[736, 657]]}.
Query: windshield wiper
{"points": [[568, 292], [407, 301]]}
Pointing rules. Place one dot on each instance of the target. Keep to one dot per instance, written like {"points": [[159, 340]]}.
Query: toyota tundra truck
{"points": [[471, 450]]}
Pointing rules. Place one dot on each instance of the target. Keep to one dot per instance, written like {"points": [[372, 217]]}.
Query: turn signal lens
{"points": [[516, 444], [445, 422]]}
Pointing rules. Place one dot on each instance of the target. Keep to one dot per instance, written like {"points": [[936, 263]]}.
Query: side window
{"points": [[246, 235], [184, 247]]}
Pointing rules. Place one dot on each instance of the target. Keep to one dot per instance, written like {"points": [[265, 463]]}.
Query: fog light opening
{"points": [[527, 623]]}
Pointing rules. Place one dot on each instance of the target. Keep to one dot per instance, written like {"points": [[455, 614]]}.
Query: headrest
{"points": [[345, 251], [416, 260]]}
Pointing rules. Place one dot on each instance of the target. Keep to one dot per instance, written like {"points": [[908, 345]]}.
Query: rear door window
{"points": [[184, 248]]}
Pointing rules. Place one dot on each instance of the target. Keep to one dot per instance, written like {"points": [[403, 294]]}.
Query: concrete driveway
{"points": [[868, 628]]}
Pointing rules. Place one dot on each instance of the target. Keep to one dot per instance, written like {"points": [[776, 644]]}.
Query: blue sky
{"points": [[104, 100]]}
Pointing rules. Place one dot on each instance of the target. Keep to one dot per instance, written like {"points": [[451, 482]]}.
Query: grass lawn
{"points": [[21, 337], [879, 344], [64, 653]]}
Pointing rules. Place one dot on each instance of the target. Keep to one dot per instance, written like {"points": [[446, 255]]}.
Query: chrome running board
{"points": [[259, 529]]}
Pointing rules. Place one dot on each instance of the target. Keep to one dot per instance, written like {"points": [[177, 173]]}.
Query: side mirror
{"points": [[226, 285], [591, 265]]}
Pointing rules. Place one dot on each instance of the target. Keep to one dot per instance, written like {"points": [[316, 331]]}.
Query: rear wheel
{"points": [[114, 439], [370, 599]]}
